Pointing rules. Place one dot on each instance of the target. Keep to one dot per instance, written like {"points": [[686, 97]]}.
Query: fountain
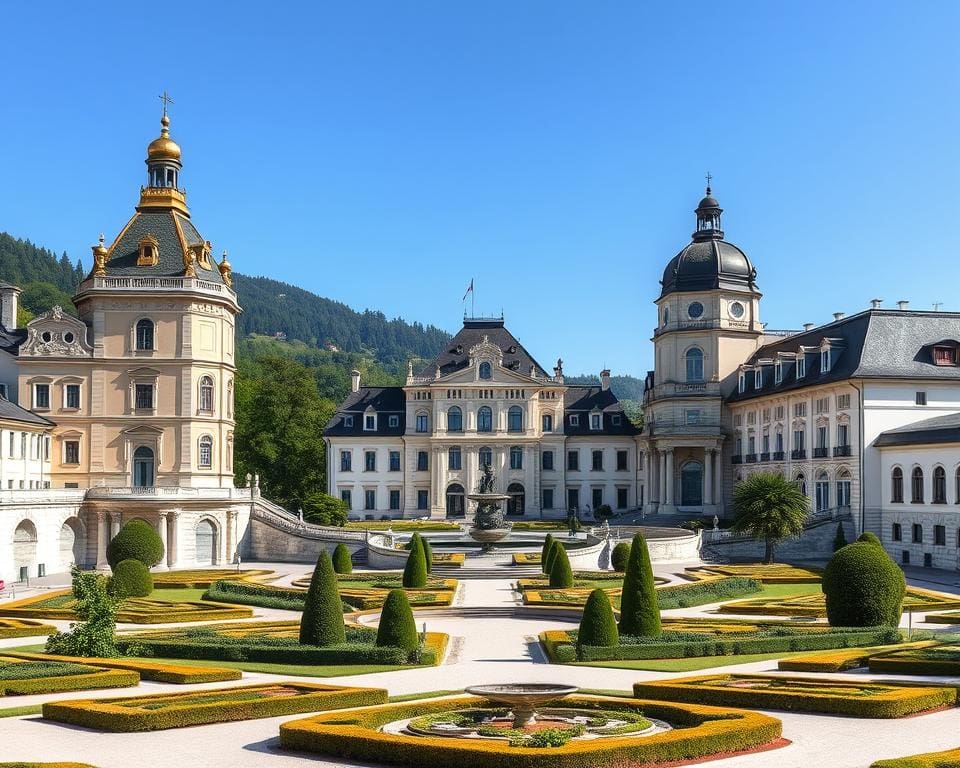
{"points": [[488, 524], [522, 698]]}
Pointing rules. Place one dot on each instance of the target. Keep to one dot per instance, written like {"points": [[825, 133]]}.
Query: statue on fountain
{"points": [[489, 515]]}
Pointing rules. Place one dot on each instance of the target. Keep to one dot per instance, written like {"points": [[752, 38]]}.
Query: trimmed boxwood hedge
{"points": [[24, 628], [148, 670], [817, 696], [96, 678], [700, 731], [862, 585], [123, 716], [913, 663], [948, 759]]}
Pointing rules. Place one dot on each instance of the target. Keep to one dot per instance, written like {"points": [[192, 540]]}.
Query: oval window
{"points": [[46, 336], [736, 310], [68, 337], [695, 310]]}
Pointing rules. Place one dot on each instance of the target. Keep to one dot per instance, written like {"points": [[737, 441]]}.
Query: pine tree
{"points": [[322, 620], [639, 610]]}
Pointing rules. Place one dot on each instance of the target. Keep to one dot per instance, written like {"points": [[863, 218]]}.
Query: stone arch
{"points": [[455, 499], [207, 541], [73, 542], [25, 547], [517, 502], [691, 484]]}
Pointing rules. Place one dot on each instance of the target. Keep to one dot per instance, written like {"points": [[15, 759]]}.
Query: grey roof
{"points": [[170, 263], [876, 343], [386, 401], [456, 354], [939, 429], [706, 264], [584, 400], [11, 339], [13, 412]]}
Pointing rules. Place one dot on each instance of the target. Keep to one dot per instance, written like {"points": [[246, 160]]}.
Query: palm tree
{"points": [[770, 508]]}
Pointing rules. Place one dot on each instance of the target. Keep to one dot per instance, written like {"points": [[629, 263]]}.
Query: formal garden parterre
{"points": [[24, 628], [947, 759], [22, 677], [135, 610]]}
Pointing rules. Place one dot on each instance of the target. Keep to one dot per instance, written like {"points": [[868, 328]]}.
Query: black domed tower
{"points": [[708, 324]]}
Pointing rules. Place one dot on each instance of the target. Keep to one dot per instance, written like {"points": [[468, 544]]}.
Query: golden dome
{"points": [[163, 147]]}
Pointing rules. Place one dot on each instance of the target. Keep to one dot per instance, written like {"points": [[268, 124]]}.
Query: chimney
{"points": [[8, 305], [605, 379], [876, 303], [838, 315], [354, 380], [807, 326], [902, 305]]}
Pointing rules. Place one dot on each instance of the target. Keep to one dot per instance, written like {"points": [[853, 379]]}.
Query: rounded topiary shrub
{"points": [[870, 538], [137, 540], [547, 543], [131, 578], [863, 587], [397, 627], [322, 620], [597, 625], [620, 556], [415, 569], [342, 563], [561, 575], [639, 609]]}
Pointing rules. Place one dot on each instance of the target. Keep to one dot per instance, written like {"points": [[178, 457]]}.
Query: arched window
{"points": [[547, 422], [896, 486], [939, 485], [515, 419], [206, 452], [843, 488], [455, 499], [822, 488], [801, 481], [455, 419], [517, 501], [916, 486], [206, 394], [485, 456], [205, 538], [145, 334], [485, 371], [516, 457], [143, 467], [484, 419], [694, 364]]}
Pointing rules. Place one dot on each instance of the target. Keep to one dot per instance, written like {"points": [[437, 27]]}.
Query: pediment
{"points": [[56, 334], [143, 430], [500, 376]]}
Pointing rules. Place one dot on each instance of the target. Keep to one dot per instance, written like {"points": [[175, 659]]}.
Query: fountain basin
{"points": [[522, 698]]}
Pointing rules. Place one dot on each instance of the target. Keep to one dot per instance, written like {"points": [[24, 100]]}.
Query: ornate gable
{"points": [[56, 334]]}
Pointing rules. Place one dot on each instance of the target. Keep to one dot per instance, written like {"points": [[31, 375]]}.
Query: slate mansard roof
{"points": [[939, 429], [386, 401], [12, 412], [585, 400], [456, 354], [876, 343]]}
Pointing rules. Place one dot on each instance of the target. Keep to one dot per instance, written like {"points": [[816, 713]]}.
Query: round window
{"points": [[68, 337], [736, 310], [695, 310], [46, 336]]}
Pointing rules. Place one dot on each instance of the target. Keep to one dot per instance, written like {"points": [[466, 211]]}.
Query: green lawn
{"points": [[30, 709], [424, 695], [786, 590], [178, 595]]}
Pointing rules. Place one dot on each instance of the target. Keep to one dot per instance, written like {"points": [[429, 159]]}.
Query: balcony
{"points": [[821, 453], [764, 457], [842, 450], [683, 389], [750, 458], [737, 459], [778, 456], [799, 453]]}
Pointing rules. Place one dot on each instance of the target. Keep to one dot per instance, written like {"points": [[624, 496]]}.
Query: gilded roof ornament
{"points": [[100, 258], [225, 269]]}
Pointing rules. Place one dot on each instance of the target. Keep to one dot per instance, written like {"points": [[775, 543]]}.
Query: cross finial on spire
{"points": [[165, 98], [709, 179]]}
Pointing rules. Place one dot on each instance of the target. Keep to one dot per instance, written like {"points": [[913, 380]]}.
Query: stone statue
{"points": [[489, 514], [488, 480]]}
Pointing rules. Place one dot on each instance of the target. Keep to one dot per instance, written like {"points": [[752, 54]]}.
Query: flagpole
{"points": [[473, 299]]}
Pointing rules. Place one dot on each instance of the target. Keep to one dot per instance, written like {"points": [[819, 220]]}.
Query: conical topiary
{"points": [[840, 540], [397, 626], [322, 620], [551, 554], [597, 625], [342, 563], [547, 543], [561, 576], [415, 570], [427, 552], [639, 610]]}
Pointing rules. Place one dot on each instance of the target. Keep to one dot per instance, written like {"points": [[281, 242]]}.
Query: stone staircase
{"points": [[485, 571]]}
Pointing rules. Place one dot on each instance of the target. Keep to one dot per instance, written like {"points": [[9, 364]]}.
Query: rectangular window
{"points": [[921, 398], [143, 396], [917, 533], [595, 422], [348, 422], [369, 499], [394, 461], [597, 461], [547, 422], [823, 405], [843, 402], [896, 532], [825, 361], [346, 497], [777, 372], [940, 535], [71, 452], [692, 416], [41, 395], [799, 410], [943, 356], [548, 498], [393, 421], [778, 412], [3, 391], [616, 420], [823, 495], [574, 420], [597, 494], [346, 461], [454, 458], [370, 461], [801, 366], [573, 461], [72, 396], [423, 462], [843, 434], [516, 458], [423, 499], [621, 498], [546, 460], [821, 437], [394, 499], [422, 422], [369, 423], [765, 443], [11, 445], [621, 461]]}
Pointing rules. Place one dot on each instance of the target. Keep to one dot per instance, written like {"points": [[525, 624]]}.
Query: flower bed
{"points": [[525, 558], [449, 558], [177, 710], [148, 670], [687, 639], [931, 660], [840, 661], [802, 694], [276, 643], [699, 732], [948, 759], [133, 610], [815, 606], [24, 628], [776, 573], [19, 677], [201, 578]]}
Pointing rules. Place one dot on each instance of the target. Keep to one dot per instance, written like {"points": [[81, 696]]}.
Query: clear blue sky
{"points": [[383, 153]]}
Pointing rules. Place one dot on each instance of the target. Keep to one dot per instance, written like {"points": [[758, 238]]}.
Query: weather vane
{"points": [[165, 98], [709, 179]]}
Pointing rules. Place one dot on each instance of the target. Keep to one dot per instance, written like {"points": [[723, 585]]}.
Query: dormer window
{"points": [[148, 251], [825, 361], [758, 378], [742, 383], [595, 421], [801, 365], [574, 420], [485, 371], [944, 356], [348, 422], [777, 372], [369, 422]]}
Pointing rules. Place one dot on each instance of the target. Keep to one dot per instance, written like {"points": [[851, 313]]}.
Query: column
{"points": [[162, 529], [102, 540], [669, 477], [718, 480], [173, 555], [661, 474], [114, 524], [708, 476], [233, 545]]}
